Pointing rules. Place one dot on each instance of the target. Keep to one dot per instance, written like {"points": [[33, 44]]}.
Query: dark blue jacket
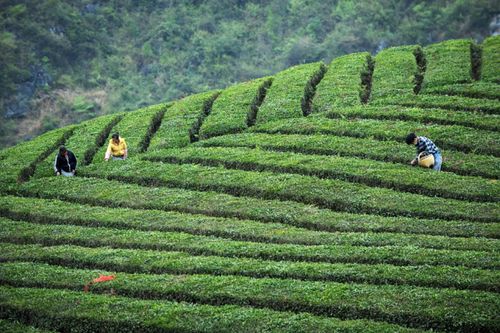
{"points": [[66, 164]]}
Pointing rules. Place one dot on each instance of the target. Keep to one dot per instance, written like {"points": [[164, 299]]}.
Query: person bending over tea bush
{"points": [[425, 149], [117, 148], [65, 163]]}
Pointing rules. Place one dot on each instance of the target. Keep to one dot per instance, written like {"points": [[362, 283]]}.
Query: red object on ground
{"points": [[101, 278]]}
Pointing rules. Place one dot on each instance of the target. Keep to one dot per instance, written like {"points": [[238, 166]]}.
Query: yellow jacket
{"points": [[119, 149]]}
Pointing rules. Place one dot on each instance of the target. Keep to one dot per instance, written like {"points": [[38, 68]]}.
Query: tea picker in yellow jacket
{"points": [[117, 148]]}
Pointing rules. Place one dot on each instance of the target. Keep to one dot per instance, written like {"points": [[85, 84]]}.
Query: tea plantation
{"points": [[282, 204]]}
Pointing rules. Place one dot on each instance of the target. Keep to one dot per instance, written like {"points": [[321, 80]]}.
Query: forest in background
{"points": [[62, 62]]}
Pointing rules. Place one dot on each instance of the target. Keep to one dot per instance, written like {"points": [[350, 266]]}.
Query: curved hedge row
{"points": [[394, 72], [47, 212], [446, 137], [341, 85], [410, 306], [425, 116], [448, 62], [372, 173], [479, 90], [458, 103], [327, 193], [490, 68], [66, 310], [102, 192], [388, 151], [26, 233], [179, 263], [286, 96], [179, 119], [235, 108]]}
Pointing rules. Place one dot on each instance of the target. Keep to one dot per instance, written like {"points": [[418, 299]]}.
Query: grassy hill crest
{"points": [[285, 203]]}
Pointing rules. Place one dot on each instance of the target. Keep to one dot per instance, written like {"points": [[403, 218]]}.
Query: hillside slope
{"points": [[64, 62], [282, 204]]}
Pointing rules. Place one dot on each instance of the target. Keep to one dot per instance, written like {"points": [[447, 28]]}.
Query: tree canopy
{"points": [[141, 52]]}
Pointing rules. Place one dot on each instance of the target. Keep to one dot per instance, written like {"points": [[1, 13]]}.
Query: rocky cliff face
{"points": [[19, 105], [495, 25]]}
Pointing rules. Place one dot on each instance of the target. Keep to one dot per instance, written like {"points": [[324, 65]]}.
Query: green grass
{"points": [[453, 137], [478, 90], [67, 310], [47, 212], [179, 119], [448, 62], [324, 144], [341, 85], [373, 173], [179, 263], [232, 110], [326, 193], [285, 97], [425, 116], [414, 306], [490, 67], [394, 73], [283, 204]]}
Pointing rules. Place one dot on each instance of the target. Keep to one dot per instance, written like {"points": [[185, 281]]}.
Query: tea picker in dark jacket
{"points": [[65, 163]]}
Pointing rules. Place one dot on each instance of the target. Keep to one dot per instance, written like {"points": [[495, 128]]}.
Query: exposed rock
{"points": [[495, 25], [19, 105]]}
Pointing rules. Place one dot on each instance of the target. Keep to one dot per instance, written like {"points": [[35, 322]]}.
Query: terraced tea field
{"points": [[282, 204]]}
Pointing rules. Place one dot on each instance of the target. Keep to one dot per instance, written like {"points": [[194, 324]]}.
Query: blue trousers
{"points": [[438, 160]]}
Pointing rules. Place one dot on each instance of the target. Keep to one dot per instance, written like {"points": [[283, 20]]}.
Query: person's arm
{"points": [[125, 150], [108, 152], [420, 148], [72, 162], [415, 160], [57, 169]]}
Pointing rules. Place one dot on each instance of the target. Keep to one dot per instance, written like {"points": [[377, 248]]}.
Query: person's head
{"points": [[63, 151], [116, 137], [411, 139]]}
